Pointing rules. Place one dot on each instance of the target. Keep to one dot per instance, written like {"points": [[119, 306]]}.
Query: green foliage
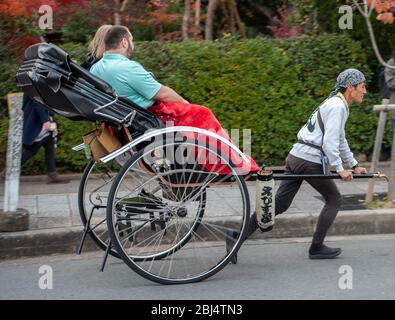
{"points": [[77, 52], [268, 86], [251, 14], [325, 16], [71, 133], [143, 32], [79, 27], [8, 68], [3, 141], [328, 17]]}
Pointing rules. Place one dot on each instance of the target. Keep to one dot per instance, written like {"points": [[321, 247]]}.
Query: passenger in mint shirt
{"points": [[128, 78]]}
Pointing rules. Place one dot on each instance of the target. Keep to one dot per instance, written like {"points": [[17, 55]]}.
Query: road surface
{"points": [[267, 269]]}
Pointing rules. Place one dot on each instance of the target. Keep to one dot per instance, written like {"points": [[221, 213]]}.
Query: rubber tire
{"points": [[141, 272]]}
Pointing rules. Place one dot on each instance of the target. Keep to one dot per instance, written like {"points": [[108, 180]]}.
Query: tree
{"points": [[212, 7], [119, 10], [281, 27], [385, 10], [196, 29], [19, 21], [185, 19], [186, 28], [231, 17]]}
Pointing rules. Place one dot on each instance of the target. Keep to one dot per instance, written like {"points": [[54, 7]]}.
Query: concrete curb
{"points": [[43, 178], [42, 242], [66, 240], [356, 222]]}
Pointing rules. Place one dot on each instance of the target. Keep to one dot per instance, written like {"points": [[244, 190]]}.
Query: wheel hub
{"points": [[179, 211]]}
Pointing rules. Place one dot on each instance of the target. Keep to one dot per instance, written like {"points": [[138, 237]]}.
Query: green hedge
{"points": [[268, 86]]}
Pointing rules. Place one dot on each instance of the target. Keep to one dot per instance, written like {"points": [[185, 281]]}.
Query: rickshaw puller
{"points": [[321, 141]]}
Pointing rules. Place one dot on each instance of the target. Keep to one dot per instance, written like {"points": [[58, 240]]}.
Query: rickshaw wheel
{"points": [[179, 213]]}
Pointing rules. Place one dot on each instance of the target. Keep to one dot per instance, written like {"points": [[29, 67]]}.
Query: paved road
{"points": [[275, 269]]}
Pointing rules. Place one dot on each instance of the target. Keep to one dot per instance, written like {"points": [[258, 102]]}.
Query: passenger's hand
{"points": [[345, 175], [360, 170], [47, 125]]}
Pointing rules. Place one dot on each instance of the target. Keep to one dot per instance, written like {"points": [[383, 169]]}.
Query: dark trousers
{"points": [[288, 189], [49, 146]]}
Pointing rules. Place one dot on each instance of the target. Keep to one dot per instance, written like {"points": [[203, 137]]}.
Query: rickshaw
{"points": [[152, 202]]}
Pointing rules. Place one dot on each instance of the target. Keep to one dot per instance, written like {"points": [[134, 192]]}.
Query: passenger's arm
{"points": [[168, 94]]}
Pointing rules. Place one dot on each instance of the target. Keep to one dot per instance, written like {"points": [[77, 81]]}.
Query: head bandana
{"points": [[348, 77]]}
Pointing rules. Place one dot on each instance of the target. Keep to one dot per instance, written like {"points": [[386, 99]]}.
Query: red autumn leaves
{"points": [[385, 10], [13, 8]]}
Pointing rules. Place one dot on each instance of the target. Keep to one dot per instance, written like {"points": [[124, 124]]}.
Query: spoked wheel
{"points": [[92, 200], [168, 216]]}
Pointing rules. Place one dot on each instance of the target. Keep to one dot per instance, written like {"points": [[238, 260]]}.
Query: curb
{"points": [[43, 178], [357, 222], [41, 242], [66, 240]]}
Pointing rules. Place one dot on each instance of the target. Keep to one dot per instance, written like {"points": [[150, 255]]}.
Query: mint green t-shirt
{"points": [[128, 78]]}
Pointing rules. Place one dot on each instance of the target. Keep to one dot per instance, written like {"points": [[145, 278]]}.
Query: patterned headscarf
{"points": [[348, 77]]}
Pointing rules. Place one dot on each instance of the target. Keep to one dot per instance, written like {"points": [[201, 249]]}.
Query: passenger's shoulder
{"points": [[128, 65], [135, 64], [94, 67]]}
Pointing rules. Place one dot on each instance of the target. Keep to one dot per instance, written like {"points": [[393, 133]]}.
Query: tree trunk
{"points": [[236, 16], [117, 16], [197, 14], [120, 7], [185, 19], [227, 12], [212, 7]]}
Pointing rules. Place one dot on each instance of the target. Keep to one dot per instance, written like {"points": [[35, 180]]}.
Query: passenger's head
{"points": [[118, 39], [96, 46], [351, 83]]}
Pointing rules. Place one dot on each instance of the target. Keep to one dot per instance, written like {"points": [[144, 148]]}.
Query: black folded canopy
{"points": [[48, 75]]}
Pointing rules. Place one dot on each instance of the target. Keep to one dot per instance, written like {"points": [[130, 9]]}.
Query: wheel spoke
{"points": [[189, 244]]}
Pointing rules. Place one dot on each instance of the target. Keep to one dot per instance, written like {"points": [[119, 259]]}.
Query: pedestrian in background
{"points": [[39, 130]]}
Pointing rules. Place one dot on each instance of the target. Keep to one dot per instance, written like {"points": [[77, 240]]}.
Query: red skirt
{"points": [[192, 115]]}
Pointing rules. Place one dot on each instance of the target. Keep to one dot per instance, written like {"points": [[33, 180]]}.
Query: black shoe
{"points": [[266, 229], [231, 236], [323, 252]]}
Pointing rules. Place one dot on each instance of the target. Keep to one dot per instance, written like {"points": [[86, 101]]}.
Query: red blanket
{"points": [[184, 114]]}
